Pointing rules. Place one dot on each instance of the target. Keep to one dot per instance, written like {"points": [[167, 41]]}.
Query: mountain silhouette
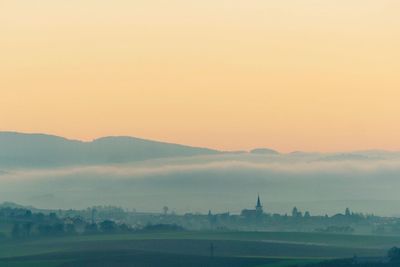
{"points": [[41, 150]]}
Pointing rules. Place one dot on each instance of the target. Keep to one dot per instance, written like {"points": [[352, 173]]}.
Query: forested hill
{"points": [[40, 150]]}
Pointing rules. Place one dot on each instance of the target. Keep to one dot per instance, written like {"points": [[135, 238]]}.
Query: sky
{"points": [[227, 74]]}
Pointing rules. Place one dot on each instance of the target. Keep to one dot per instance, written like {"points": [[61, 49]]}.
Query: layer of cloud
{"points": [[167, 167]]}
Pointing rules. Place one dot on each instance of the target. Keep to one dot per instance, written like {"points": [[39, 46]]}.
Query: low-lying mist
{"points": [[226, 182]]}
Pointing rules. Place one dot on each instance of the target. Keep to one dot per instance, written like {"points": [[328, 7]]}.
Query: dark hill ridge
{"points": [[40, 150], [264, 151], [21, 150]]}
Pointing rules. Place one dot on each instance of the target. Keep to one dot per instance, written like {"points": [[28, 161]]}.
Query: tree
{"points": [[39, 217], [27, 228], [16, 231], [58, 228], [347, 212], [45, 229], [394, 254], [124, 228], [91, 228], [28, 214], [295, 212], [165, 209], [108, 226], [53, 216], [70, 228]]}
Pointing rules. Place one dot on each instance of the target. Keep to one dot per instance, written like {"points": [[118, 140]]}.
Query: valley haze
{"points": [[53, 172]]}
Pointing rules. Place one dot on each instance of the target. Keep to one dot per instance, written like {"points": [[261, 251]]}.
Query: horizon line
{"points": [[249, 150]]}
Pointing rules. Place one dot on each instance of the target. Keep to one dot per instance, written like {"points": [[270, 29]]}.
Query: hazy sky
{"points": [[227, 74]]}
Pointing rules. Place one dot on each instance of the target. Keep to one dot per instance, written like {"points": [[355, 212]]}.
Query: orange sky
{"points": [[227, 74]]}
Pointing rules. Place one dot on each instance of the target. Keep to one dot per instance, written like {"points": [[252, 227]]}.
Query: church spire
{"points": [[259, 206]]}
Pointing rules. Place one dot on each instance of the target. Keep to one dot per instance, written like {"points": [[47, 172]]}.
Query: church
{"points": [[253, 213]]}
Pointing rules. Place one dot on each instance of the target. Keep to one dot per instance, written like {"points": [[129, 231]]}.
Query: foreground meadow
{"points": [[245, 249]]}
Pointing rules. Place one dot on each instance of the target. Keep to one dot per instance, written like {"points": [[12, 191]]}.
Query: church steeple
{"points": [[258, 202], [259, 208]]}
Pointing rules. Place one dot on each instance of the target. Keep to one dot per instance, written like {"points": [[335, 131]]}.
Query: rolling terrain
{"points": [[242, 249]]}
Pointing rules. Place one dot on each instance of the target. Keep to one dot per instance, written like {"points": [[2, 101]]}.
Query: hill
{"points": [[41, 150]]}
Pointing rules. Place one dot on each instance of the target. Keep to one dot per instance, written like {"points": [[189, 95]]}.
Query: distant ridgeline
{"points": [[42, 150], [39, 150]]}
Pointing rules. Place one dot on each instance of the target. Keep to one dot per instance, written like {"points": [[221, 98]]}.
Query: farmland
{"points": [[190, 249]]}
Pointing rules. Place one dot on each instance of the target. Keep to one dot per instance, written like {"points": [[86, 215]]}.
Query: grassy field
{"points": [[191, 249]]}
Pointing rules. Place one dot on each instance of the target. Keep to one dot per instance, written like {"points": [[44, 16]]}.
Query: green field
{"points": [[191, 249]]}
